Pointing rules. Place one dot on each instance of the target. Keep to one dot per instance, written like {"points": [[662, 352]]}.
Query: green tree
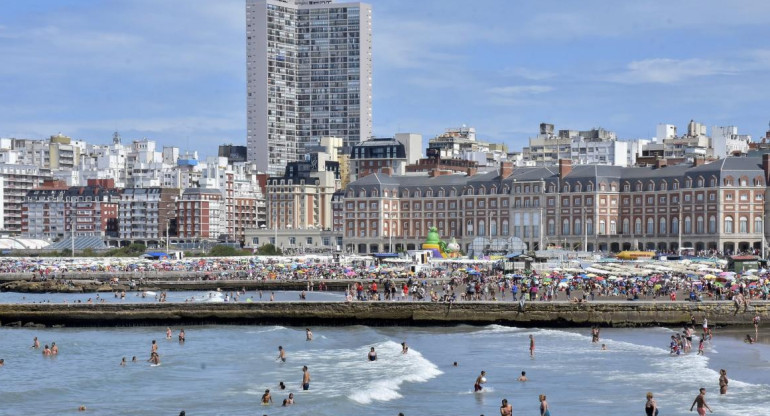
{"points": [[269, 250]]}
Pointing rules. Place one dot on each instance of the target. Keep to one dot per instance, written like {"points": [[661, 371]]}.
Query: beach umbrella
{"points": [[709, 277]]}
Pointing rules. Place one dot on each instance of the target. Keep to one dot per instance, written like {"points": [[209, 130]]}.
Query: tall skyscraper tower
{"points": [[309, 65]]}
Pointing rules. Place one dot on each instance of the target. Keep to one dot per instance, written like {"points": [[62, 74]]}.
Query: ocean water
{"points": [[224, 370]]}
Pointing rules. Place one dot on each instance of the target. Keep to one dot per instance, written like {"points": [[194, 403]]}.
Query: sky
{"points": [[175, 70]]}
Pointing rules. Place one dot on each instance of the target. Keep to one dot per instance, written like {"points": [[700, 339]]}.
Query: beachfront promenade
{"points": [[540, 314]]}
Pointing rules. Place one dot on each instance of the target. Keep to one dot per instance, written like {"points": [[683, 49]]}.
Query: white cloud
{"points": [[670, 71], [520, 90]]}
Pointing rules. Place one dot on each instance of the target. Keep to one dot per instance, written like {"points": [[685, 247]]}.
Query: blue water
{"points": [[223, 370]]}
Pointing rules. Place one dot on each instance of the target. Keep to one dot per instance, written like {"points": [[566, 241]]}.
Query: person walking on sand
{"points": [[756, 325], [506, 409], [723, 381], [532, 346], [700, 403], [544, 409], [305, 378]]}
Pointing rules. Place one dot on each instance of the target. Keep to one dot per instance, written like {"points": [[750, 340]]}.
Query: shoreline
{"points": [[383, 313]]}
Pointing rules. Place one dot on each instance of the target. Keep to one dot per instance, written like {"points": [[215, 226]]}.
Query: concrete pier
{"points": [[540, 314]]}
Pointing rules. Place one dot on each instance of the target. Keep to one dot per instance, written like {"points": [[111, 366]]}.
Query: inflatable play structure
{"points": [[439, 248]]}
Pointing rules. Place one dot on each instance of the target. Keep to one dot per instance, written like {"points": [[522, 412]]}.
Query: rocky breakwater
{"points": [[541, 314], [55, 286]]}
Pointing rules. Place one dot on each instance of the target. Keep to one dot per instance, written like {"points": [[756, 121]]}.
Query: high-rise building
{"points": [[309, 72]]}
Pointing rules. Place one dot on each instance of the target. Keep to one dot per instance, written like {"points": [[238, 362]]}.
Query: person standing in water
{"points": [[651, 407], [281, 354], [154, 347], [35, 343], [308, 334], [700, 402], [756, 325], [181, 335], [506, 409], [532, 346], [523, 376], [372, 355], [404, 348], [46, 351], [54, 349], [481, 379], [305, 378], [544, 409], [168, 333], [123, 362], [723, 381], [266, 398]]}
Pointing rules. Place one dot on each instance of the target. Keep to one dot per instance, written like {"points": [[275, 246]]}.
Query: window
{"points": [[626, 226], [565, 202], [612, 227], [699, 225], [712, 196], [469, 227], [662, 229], [729, 197], [728, 225], [578, 225], [482, 228], [662, 200], [638, 226], [565, 227], [650, 200], [675, 225], [687, 225], [699, 197], [602, 227], [292, 241], [505, 227], [686, 197], [743, 225], [712, 225], [493, 228], [590, 226], [744, 196], [589, 201], [758, 225], [758, 196], [650, 226], [551, 227]]}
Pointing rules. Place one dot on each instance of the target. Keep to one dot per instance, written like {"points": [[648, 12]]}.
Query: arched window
{"points": [[482, 228], [551, 227], [362, 193], [728, 225], [675, 225], [374, 193], [440, 193], [493, 190], [493, 228], [712, 225], [713, 181], [429, 193], [565, 187], [404, 194], [578, 187], [613, 227], [589, 226], [504, 227], [626, 226], [687, 225], [651, 186], [700, 182], [602, 227], [590, 187], [565, 227], [578, 227], [453, 192], [469, 227], [663, 185], [386, 193], [699, 225], [758, 229], [639, 186], [417, 194], [662, 226], [638, 226], [743, 225], [650, 226]]}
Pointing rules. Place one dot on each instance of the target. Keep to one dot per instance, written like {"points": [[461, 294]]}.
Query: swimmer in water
{"points": [[2, 362], [46, 351], [54, 349], [154, 358], [35, 343], [404, 348], [123, 362], [181, 335], [154, 347], [281, 354], [372, 355], [281, 385], [481, 379], [305, 378], [308, 334], [532, 346], [454, 364], [604, 347], [133, 359], [523, 376], [506, 409], [544, 410], [700, 402], [168, 333], [749, 339], [290, 400], [266, 398], [723, 381]]}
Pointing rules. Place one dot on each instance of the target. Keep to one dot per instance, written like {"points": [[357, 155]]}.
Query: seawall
{"points": [[541, 314]]}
